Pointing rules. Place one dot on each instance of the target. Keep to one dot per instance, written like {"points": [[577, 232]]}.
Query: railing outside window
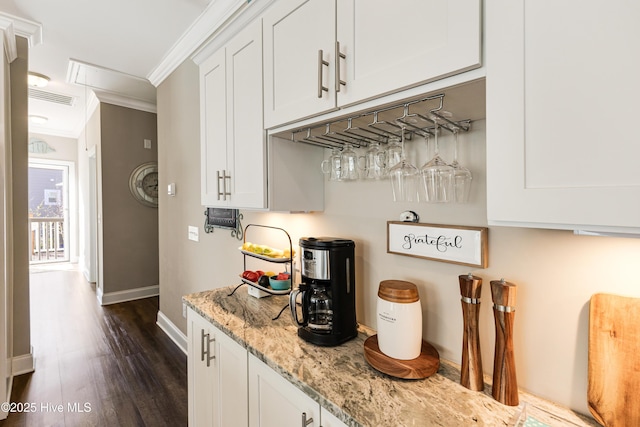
{"points": [[47, 240]]}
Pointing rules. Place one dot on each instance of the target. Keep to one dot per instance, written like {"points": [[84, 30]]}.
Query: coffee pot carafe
{"points": [[327, 293]]}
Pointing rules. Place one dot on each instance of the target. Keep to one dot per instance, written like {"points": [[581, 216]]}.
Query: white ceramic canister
{"points": [[399, 319]]}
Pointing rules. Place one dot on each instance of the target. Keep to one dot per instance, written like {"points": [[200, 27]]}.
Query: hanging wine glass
{"points": [[404, 178], [461, 175], [437, 175], [374, 161], [332, 166], [392, 155], [349, 164]]}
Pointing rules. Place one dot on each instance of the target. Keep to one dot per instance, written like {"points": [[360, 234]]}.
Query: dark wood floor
{"points": [[106, 366]]}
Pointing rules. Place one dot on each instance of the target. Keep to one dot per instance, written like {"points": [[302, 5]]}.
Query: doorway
{"points": [[50, 231]]}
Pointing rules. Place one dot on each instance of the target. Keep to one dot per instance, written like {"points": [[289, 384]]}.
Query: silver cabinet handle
{"points": [[210, 356], [305, 421], [218, 178], [225, 178], [206, 352], [321, 63], [339, 55], [202, 352]]}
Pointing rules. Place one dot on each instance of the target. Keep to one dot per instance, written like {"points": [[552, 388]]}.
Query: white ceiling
{"points": [[112, 46]]}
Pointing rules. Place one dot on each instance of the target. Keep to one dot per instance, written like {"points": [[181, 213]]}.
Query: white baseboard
{"points": [[172, 332], [4, 413], [127, 295], [87, 276], [23, 364]]}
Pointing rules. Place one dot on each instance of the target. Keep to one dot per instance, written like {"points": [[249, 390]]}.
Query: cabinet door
{"points": [[213, 128], [230, 389], [394, 45], [560, 98], [217, 376], [246, 148], [294, 32], [200, 373], [273, 401]]}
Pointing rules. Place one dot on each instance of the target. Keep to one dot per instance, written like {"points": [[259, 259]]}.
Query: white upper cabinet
{"points": [[319, 56], [394, 45], [299, 48], [233, 138], [239, 169], [213, 127], [562, 91]]}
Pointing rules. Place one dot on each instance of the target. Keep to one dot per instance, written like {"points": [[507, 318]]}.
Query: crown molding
{"points": [[30, 30], [226, 32], [124, 101], [212, 18], [17, 26], [8, 39]]}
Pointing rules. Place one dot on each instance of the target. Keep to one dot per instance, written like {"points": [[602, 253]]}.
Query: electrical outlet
{"points": [[184, 310], [147, 144], [193, 233]]}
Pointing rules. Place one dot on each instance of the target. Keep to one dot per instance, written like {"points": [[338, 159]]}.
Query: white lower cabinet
{"points": [[217, 376], [275, 402], [327, 419], [228, 387]]}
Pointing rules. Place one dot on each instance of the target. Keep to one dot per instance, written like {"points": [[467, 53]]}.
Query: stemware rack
{"points": [[415, 118]]}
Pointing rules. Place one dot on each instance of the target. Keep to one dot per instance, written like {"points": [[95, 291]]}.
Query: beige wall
{"points": [[130, 229], [556, 272], [185, 266], [19, 165]]}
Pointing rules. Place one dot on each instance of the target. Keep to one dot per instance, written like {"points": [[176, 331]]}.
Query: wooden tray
{"points": [[421, 367]]}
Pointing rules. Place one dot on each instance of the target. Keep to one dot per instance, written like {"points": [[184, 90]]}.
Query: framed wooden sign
{"points": [[447, 243]]}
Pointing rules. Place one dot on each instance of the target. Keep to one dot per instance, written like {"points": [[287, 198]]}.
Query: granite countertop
{"points": [[340, 379]]}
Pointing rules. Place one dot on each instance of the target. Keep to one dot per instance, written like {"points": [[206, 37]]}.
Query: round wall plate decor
{"points": [[143, 184]]}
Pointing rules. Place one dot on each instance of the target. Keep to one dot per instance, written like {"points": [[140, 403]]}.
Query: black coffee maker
{"points": [[327, 291]]}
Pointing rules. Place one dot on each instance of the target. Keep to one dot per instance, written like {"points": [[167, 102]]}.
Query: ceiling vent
{"points": [[51, 97]]}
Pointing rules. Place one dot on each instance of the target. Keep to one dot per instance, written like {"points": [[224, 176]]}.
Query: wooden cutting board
{"points": [[614, 360]]}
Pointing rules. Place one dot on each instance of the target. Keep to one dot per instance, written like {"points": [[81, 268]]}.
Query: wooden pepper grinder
{"points": [[505, 385], [471, 373]]}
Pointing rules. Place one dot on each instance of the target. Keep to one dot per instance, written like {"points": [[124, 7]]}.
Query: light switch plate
{"points": [[193, 233], [147, 144]]}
